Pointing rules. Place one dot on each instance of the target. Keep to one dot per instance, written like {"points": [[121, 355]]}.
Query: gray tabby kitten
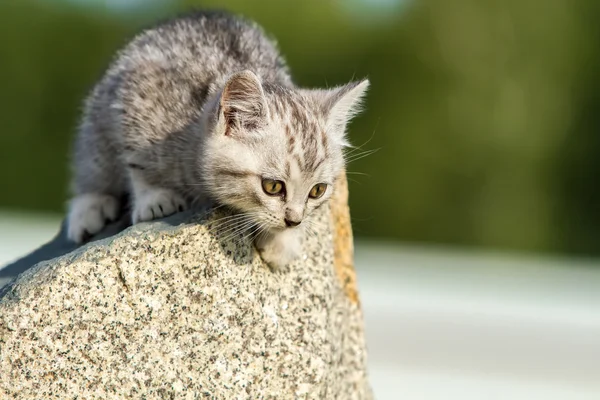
{"points": [[200, 109]]}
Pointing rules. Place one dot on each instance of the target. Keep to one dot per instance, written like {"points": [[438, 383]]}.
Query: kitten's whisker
{"points": [[350, 157], [226, 226], [230, 229], [229, 226], [358, 156], [234, 225], [312, 233], [355, 148], [358, 151], [234, 216], [357, 173], [230, 217], [263, 230], [316, 224], [311, 230], [238, 230], [246, 233], [231, 236], [252, 232]]}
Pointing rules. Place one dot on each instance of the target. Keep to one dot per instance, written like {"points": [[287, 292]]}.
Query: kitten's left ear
{"points": [[242, 106], [341, 105]]}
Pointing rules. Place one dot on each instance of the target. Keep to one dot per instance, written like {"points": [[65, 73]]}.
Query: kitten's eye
{"points": [[272, 187], [317, 191]]}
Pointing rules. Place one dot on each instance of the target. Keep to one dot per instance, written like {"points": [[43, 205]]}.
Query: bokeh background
{"points": [[477, 215], [485, 113]]}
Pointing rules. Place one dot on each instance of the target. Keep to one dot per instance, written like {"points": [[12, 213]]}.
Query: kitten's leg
{"points": [[152, 202], [280, 248], [156, 104], [98, 183]]}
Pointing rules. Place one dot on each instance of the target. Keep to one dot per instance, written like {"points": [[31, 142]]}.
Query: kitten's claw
{"points": [[89, 214], [156, 203]]}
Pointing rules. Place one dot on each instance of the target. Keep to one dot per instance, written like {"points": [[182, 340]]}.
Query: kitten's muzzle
{"points": [[290, 223]]}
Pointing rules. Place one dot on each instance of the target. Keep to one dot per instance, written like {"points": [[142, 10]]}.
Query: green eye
{"points": [[317, 191], [272, 187]]}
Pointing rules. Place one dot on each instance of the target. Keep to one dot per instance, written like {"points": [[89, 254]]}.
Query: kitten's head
{"points": [[274, 152]]}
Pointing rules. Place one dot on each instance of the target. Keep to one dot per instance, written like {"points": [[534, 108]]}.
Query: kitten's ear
{"points": [[242, 105], [341, 104]]}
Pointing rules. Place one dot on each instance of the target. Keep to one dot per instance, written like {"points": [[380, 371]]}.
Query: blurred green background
{"points": [[485, 112]]}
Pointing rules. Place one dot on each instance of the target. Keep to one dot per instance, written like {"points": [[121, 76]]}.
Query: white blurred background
{"points": [[447, 324]]}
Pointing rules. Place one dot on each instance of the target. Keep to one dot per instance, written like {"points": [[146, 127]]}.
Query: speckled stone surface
{"points": [[163, 311]]}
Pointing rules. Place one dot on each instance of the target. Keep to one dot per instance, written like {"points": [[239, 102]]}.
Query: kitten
{"points": [[201, 108]]}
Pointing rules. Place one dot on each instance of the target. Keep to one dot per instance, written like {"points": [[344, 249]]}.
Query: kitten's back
{"points": [[210, 45]]}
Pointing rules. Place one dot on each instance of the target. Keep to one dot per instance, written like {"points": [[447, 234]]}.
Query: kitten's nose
{"points": [[290, 223]]}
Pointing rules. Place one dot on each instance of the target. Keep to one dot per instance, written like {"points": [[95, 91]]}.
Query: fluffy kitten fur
{"points": [[201, 109]]}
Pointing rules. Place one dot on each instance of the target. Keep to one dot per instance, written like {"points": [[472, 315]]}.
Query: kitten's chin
{"points": [[285, 229], [276, 229]]}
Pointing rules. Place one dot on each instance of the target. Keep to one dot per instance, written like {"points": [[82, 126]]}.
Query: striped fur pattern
{"points": [[201, 108]]}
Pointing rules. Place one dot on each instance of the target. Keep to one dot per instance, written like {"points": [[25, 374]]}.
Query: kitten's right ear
{"points": [[242, 105], [341, 104]]}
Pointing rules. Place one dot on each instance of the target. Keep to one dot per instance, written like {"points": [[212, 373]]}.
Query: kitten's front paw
{"points": [[275, 259], [89, 214], [156, 203], [280, 249]]}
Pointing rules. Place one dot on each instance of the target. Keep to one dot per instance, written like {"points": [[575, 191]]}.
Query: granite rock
{"points": [[179, 310]]}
